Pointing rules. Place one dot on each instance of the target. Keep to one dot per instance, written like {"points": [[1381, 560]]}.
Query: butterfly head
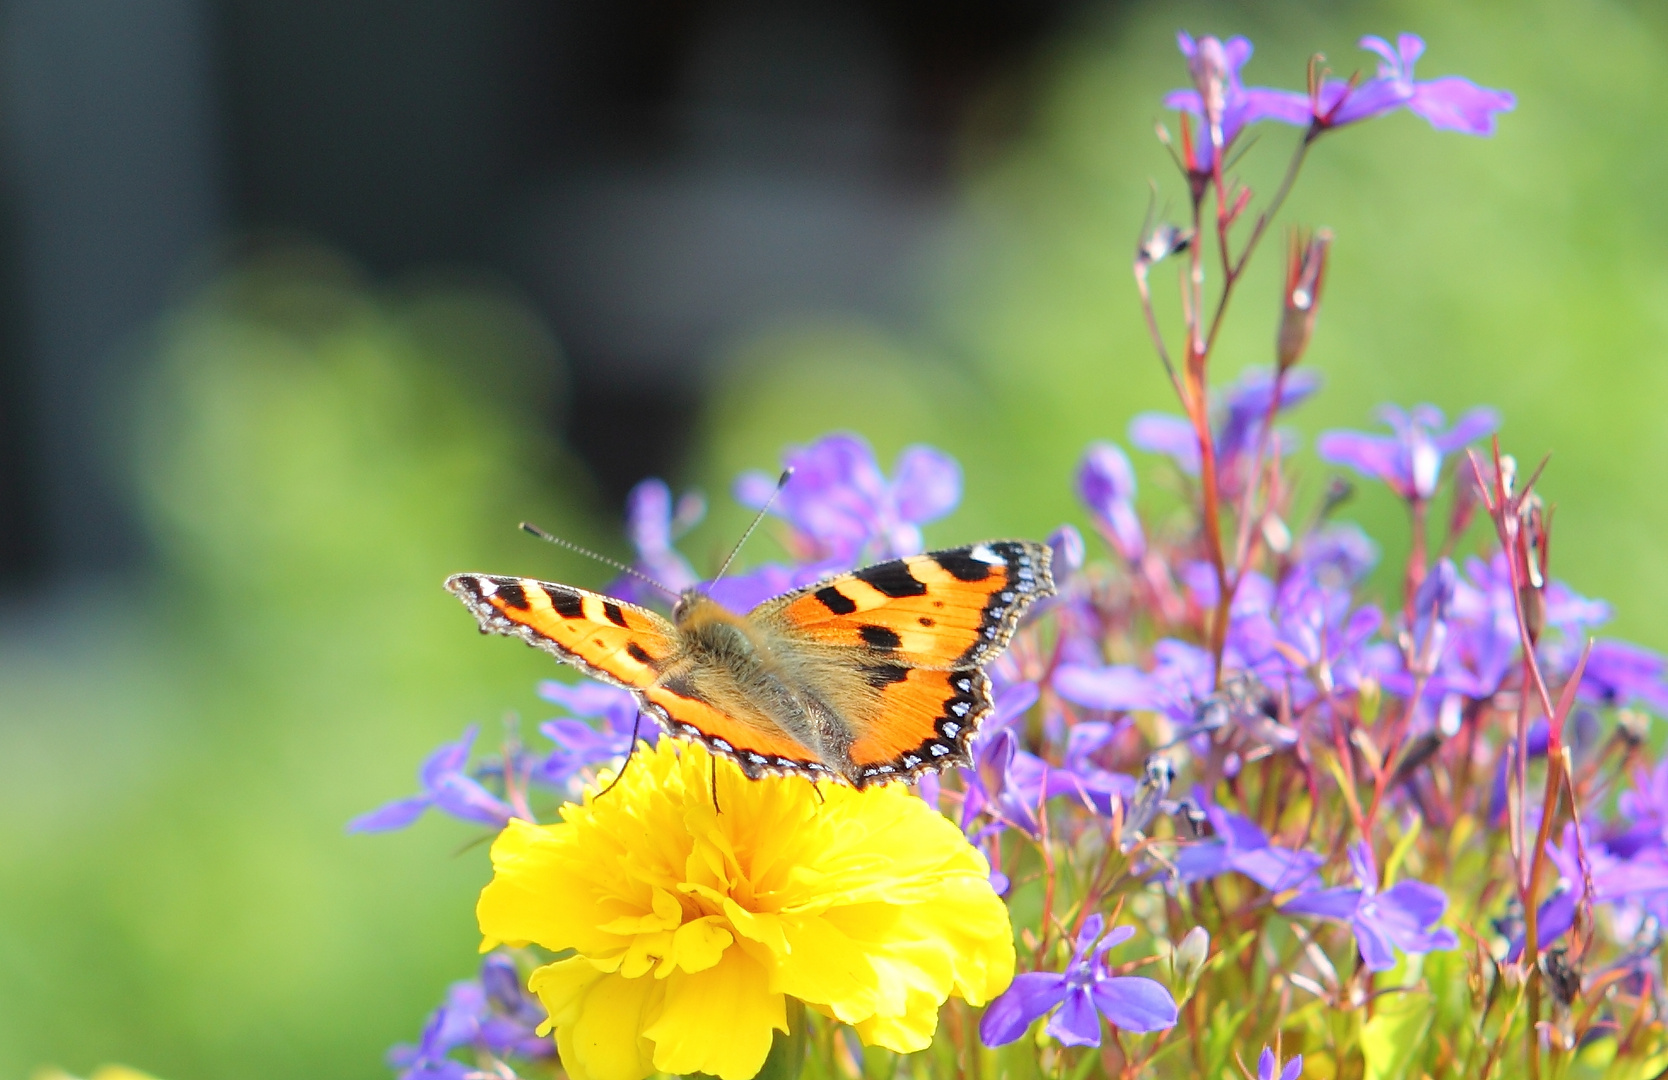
{"points": [[695, 607]]}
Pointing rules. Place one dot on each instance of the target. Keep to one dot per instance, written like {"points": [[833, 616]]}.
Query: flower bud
{"points": [[1305, 272], [1189, 960], [1160, 241]]}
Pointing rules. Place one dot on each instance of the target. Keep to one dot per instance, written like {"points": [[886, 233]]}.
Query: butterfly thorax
{"points": [[749, 671]]}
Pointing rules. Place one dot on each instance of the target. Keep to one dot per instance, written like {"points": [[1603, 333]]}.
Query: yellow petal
{"points": [[825, 965], [697, 945], [907, 1032], [561, 987], [718, 1021], [604, 1041], [764, 928]]}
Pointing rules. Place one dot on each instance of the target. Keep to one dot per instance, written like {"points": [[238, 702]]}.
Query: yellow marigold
{"points": [[691, 926]]}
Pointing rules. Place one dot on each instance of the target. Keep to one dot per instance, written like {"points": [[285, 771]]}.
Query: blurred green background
{"points": [[313, 447]]}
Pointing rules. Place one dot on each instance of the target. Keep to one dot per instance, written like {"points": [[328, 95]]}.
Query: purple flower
{"points": [[1268, 1067], [1239, 845], [1410, 461], [581, 745], [1403, 916], [1066, 546], [1641, 878], [1106, 484], [1337, 555], [1219, 63], [1011, 784], [1619, 673], [510, 1025], [446, 787], [493, 1013], [1448, 104], [456, 1023], [1084, 992], [652, 523], [1238, 426], [744, 592], [1645, 805], [845, 508]]}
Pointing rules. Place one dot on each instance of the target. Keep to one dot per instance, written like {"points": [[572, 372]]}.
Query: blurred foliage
{"points": [[179, 760], [178, 757]]}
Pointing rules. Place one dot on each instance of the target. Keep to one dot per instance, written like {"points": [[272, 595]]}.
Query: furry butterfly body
{"points": [[866, 677]]}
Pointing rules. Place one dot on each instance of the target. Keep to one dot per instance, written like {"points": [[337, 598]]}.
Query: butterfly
{"points": [[865, 677]]}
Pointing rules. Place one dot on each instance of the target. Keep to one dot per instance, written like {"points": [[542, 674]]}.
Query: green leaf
{"points": [[1391, 1040], [787, 1052]]}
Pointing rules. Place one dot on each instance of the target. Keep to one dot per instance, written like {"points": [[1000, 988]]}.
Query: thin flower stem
{"points": [[1257, 230], [1154, 330]]}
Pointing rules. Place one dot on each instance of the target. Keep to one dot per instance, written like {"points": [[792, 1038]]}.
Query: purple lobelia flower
{"points": [[492, 1013], [509, 1027], [1645, 806], [1638, 879], [1084, 993], [1410, 460], [1448, 104], [1215, 66], [447, 787], [580, 744], [456, 1023], [1238, 426], [1403, 916], [1106, 484], [1065, 544], [1268, 1067], [1238, 845], [844, 507], [653, 523], [1619, 673]]}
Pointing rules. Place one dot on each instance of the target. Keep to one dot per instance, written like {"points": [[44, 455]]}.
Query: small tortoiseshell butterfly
{"points": [[870, 676]]}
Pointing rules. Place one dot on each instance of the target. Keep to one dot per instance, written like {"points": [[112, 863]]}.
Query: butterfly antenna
{"points": [[534, 530], [782, 482]]}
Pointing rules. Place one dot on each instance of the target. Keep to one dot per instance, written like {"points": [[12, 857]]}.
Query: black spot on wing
{"points": [[892, 579], [880, 637], [613, 613], [568, 604], [883, 675], [962, 565], [835, 600], [635, 651], [512, 594], [926, 621]]}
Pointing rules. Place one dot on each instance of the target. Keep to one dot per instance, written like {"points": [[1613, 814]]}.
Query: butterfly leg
{"points": [[713, 761], [630, 750]]}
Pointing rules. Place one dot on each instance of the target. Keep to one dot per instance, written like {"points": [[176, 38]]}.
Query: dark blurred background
{"points": [[304, 305], [651, 176]]}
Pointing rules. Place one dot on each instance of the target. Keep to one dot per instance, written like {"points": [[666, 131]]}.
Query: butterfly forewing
{"points": [[607, 639], [944, 610]]}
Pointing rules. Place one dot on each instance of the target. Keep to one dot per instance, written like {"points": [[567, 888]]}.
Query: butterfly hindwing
{"points": [[607, 639], [915, 633]]}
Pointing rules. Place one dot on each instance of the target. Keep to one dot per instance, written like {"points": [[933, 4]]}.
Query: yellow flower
{"points": [[690, 925], [103, 1072]]}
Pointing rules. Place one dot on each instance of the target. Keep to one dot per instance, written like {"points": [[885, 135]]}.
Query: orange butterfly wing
{"points": [[919, 631], [631, 647], [607, 639]]}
